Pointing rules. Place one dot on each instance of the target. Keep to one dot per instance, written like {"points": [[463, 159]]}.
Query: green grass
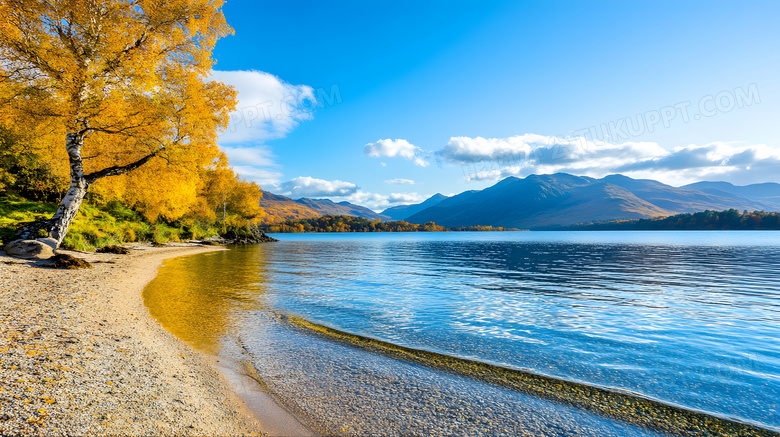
{"points": [[15, 209], [99, 226]]}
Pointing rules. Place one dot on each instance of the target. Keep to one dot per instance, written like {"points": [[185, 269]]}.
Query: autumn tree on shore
{"points": [[236, 201], [123, 84]]}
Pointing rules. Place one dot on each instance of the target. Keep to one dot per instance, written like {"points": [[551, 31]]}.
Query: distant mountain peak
{"points": [[547, 201], [403, 211], [561, 199], [279, 208]]}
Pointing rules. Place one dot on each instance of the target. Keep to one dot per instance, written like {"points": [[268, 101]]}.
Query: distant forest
{"points": [[342, 223], [730, 219]]}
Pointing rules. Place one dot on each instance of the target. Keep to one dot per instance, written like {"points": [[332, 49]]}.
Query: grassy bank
{"points": [[100, 225]]}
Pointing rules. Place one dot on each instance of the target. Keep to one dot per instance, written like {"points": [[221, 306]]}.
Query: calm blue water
{"points": [[690, 318]]}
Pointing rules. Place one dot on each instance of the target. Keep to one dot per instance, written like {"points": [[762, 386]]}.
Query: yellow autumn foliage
{"points": [[125, 87]]}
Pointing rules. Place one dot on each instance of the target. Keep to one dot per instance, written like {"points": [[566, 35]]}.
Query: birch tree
{"points": [[126, 82]]}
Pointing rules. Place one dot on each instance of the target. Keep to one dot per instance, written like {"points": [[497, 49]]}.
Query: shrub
{"points": [[129, 234], [7, 234], [75, 241]]}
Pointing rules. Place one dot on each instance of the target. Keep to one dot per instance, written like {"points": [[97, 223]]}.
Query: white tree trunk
{"points": [[69, 206]]}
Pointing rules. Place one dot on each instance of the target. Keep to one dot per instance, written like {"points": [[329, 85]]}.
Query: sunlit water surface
{"points": [[689, 318]]}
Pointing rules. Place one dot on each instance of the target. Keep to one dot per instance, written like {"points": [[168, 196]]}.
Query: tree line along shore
{"points": [[341, 223], [102, 222], [730, 219]]}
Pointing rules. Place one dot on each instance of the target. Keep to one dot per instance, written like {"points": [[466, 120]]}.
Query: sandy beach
{"points": [[80, 354]]}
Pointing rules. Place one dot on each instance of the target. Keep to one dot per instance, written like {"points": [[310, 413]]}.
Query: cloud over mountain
{"points": [[522, 155], [338, 191], [404, 198], [306, 186]]}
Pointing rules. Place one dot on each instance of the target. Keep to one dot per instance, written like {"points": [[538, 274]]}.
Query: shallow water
{"points": [[690, 318]]}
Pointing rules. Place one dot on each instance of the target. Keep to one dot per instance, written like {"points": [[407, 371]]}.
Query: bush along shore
{"points": [[729, 220], [112, 223], [343, 223]]}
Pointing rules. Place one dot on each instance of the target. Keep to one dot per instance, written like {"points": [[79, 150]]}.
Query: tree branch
{"points": [[119, 169]]}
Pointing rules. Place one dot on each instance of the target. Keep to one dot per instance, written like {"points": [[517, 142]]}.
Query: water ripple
{"points": [[691, 318]]}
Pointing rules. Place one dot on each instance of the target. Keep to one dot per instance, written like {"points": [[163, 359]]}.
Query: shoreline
{"points": [[80, 354], [612, 404]]}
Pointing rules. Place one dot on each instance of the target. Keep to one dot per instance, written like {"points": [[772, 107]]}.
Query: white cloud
{"points": [[708, 156], [249, 156], [391, 148], [254, 164], [306, 186], [538, 149], [521, 155], [405, 198], [267, 108], [339, 191], [421, 162], [372, 201], [380, 202], [263, 176], [399, 181]]}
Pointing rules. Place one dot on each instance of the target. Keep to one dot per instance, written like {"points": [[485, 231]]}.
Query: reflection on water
{"points": [[197, 298], [691, 318], [215, 302]]}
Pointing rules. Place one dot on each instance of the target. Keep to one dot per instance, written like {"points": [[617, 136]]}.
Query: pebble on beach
{"points": [[80, 355]]}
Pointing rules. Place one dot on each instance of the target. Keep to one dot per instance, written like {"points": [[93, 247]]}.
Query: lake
{"points": [[687, 318]]}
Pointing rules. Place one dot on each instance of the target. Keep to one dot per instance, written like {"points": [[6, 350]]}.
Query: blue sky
{"points": [[384, 103]]}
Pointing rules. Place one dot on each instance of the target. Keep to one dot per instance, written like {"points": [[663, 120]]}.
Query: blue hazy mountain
{"points": [[767, 193], [404, 211], [547, 201]]}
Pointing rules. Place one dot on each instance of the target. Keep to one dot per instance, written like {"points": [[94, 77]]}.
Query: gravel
{"points": [[79, 354]]}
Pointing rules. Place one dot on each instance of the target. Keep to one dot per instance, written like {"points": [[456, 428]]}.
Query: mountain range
{"points": [[280, 208], [404, 211], [545, 202], [550, 201]]}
